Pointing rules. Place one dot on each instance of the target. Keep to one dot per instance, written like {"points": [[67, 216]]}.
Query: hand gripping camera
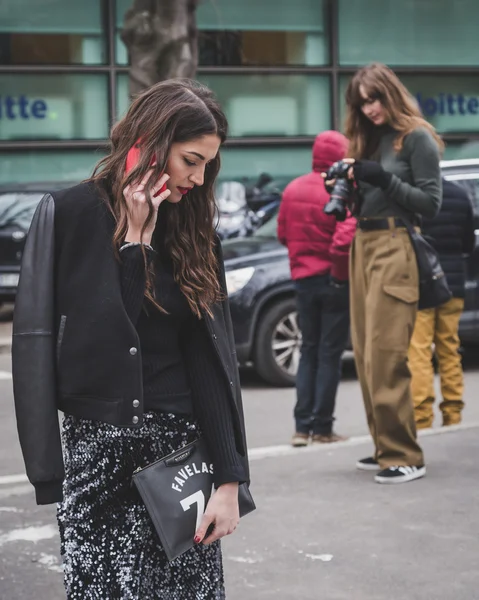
{"points": [[343, 193]]}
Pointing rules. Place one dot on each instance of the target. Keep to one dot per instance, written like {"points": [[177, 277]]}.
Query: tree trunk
{"points": [[162, 41]]}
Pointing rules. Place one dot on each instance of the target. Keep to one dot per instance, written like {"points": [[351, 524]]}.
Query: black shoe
{"points": [[400, 474], [368, 464]]}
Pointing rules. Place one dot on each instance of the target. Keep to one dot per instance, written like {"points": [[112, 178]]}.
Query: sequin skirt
{"points": [[109, 547]]}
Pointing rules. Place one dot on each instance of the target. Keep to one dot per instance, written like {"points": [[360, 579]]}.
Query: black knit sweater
{"points": [[181, 373]]}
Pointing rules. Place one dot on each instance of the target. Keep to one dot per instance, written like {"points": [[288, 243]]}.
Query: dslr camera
{"points": [[342, 192]]}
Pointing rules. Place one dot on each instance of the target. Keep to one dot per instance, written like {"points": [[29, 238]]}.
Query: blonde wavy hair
{"points": [[402, 112]]}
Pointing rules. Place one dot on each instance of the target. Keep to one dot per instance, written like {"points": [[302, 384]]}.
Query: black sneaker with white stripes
{"points": [[400, 474], [368, 464]]}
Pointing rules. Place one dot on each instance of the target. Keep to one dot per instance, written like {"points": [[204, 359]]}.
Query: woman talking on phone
{"points": [[122, 323], [395, 162]]}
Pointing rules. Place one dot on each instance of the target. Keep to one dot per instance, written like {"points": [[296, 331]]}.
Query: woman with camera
{"points": [[394, 157]]}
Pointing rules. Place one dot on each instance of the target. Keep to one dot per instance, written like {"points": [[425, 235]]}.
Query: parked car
{"points": [[17, 205], [262, 294]]}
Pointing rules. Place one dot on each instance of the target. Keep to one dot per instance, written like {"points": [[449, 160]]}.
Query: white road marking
{"points": [[29, 534], [10, 479], [17, 490], [287, 450], [13, 509], [244, 559], [51, 562], [5, 375], [323, 557]]}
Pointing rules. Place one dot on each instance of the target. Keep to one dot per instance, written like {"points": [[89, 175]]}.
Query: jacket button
{"points": [[135, 420], [214, 336], [231, 383], [136, 403], [133, 351]]}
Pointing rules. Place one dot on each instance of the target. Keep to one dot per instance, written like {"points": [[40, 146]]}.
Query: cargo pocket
{"points": [[398, 313], [407, 294]]}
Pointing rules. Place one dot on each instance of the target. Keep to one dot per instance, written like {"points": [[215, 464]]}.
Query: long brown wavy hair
{"points": [[402, 111], [177, 110]]}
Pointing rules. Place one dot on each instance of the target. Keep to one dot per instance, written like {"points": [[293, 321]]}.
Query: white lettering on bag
{"points": [[189, 471], [199, 499], [196, 498]]}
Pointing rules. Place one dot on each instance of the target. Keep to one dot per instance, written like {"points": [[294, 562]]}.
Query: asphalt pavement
{"points": [[322, 530]]}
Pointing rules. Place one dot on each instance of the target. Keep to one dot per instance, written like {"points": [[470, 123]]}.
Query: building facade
{"points": [[279, 68]]}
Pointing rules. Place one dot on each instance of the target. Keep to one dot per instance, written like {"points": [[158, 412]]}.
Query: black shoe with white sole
{"points": [[400, 474], [368, 464]]}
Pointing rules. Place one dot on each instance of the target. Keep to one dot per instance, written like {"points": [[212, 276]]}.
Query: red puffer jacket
{"points": [[317, 243]]}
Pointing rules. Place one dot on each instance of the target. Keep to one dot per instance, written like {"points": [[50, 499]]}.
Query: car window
{"points": [[17, 209], [470, 182]]}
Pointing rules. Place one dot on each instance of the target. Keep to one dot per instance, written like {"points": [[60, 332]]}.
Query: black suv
{"points": [[262, 293]]}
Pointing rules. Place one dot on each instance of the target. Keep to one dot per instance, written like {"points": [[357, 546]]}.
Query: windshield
{"points": [[268, 230], [16, 209]]}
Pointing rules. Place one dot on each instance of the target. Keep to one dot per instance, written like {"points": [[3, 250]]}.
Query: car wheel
{"points": [[278, 344]]}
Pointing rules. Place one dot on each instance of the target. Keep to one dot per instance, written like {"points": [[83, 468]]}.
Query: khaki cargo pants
{"points": [[438, 326], [384, 295]]}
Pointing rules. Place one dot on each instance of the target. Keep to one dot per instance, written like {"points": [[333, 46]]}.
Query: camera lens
{"points": [[337, 205]]}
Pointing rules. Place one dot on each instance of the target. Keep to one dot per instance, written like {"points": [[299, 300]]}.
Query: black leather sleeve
{"points": [[33, 359]]}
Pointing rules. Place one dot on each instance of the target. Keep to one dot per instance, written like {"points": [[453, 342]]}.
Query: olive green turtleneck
{"points": [[416, 182]]}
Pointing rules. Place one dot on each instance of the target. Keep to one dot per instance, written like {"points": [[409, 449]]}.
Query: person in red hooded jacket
{"points": [[318, 248]]}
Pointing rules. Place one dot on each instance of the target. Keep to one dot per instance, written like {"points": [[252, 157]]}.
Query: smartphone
{"points": [[132, 159]]}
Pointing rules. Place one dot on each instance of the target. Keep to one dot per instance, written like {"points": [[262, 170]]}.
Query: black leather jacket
{"points": [[74, 347]]}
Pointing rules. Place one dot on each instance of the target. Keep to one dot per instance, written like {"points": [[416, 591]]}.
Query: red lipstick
{"points": [[184, 190]]}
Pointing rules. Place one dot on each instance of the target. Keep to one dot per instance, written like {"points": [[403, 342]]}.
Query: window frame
{"points": [[334, 70]]}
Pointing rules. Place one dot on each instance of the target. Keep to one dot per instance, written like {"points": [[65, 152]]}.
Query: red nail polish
{"points": [[197, 540]]}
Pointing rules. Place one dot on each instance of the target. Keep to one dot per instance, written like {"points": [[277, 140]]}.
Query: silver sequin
{"points": [[109, 547]]}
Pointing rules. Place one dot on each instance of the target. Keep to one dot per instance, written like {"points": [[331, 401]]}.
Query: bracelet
{"points": [[130, 244]]}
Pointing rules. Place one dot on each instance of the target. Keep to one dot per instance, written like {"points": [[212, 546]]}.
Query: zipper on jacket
{"points": [[61, 331]]}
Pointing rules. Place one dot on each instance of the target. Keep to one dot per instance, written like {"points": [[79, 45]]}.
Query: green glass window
{"points": [[450, 103], [53, 107], [460, 151], [70, 166], [270, 32], [273, 105], [283, 164], [266, 105], [53, 32], [410, 32], [252, 33]]}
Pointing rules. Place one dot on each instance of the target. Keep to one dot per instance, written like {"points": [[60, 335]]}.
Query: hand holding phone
{"points": [[132, 159], [137, 203]]}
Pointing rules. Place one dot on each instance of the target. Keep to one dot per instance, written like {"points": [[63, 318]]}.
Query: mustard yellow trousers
{"points": [[438, 327]]}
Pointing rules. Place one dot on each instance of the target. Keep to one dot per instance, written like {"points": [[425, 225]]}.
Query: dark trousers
{"points": [[323, 313]]}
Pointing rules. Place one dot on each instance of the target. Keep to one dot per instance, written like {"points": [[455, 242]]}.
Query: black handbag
{"points": [[433, 287], [175, 490]]}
